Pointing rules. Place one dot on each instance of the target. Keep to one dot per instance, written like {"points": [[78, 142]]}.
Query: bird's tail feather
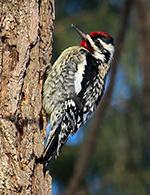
{"points": [[51, 145]]}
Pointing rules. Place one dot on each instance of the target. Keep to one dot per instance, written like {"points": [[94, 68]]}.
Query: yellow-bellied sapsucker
{"points": [[74, 87]]}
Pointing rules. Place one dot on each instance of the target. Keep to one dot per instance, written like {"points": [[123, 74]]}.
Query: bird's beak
{"points": [[81, 33]]}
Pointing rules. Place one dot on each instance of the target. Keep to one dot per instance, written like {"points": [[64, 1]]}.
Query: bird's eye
{"points": [[97, 41]]}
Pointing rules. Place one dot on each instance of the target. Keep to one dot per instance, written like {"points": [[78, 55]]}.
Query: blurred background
{"points": [[117, 158]]}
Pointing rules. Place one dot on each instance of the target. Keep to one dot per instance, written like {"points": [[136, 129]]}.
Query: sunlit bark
{"points": [[24, 27]]}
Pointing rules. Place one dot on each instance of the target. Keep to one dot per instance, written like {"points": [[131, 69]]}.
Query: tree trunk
{"points": [[25, 26]]}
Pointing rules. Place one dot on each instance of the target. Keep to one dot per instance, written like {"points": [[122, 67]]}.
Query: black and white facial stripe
{"points": [[103, 48]]}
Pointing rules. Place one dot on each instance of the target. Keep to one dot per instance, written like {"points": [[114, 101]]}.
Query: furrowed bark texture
{"points": [[25, 26]]}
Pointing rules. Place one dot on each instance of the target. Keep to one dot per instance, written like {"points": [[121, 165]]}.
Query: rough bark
{"points": [[143, 10], [94, 128], [24, 27]]}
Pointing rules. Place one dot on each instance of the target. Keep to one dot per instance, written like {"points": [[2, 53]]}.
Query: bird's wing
{"points": [[70, 93], [61, 101]]}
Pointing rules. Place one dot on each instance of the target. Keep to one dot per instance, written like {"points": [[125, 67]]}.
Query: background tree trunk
{"points": [[143, 10], [24, 27]]}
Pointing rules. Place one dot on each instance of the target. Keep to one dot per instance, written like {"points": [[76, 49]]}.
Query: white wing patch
{"points": [[79, 76]]}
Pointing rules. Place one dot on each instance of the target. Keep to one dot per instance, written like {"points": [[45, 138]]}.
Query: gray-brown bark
{"points": [[24, 27]]}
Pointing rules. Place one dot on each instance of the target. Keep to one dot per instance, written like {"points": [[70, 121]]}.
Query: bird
{"points": [[74, 87]]}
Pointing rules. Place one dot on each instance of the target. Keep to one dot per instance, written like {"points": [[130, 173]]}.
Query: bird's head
{"points": [[100, 44]]}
